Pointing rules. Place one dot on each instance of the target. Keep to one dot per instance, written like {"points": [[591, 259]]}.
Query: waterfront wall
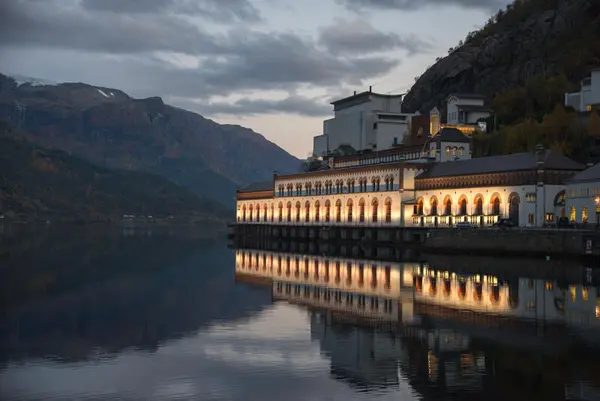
{"points": [[514, 241]]}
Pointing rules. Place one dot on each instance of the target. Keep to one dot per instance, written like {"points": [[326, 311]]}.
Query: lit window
{"points": [[549, 285], [531, 218], [584, 215], [589, 107], [584, 294], [549, 217], [573, 215], [530, 305], [573, 291]]}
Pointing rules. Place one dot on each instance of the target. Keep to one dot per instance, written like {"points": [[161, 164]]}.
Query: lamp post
{"points": [[597, 202]]}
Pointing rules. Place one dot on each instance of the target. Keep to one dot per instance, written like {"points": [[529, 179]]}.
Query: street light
{"points": [[597, 202]]}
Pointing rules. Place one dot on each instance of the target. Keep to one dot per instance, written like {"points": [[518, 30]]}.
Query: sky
{"points": [[270, 65]]}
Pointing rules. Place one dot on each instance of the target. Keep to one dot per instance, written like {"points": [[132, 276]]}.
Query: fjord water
{"points": [[95, 315]]}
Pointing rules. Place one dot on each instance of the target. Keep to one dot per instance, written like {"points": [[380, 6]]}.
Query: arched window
{"points": [[388, 210], [419, 211], [448, 206], [280, 211], [297, 211], [462, 206], [257, 212], [338, 211], [454, 151], [375, 206], [251, 215], [584, 215], [273, 212], [244, 213], [289, 211], [496, 206], [433, 208], [361, 210], [327, 211], [573, 216], [461, 151], [307, 211], [387, 183], [448, 150], [391, 183], [349, 213], [478, 206], [265, 212]]}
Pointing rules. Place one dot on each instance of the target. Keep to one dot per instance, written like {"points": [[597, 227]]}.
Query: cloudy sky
{"points": [[271, 65]]}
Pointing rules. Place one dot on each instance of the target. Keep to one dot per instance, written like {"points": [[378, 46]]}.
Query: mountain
{"points": [[111, 129], [522, 60], [44, 184]]}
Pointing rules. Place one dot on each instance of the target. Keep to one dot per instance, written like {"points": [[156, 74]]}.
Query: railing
{"points": [[452, 220]]}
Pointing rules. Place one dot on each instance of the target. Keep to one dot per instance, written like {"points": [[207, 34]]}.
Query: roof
{"points": [[504, 163], [590, 174], [365, 94], [450, 135], [474, 108], [466, 96], [258, 186]]}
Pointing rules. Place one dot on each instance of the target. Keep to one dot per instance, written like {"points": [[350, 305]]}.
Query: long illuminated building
{"points": [[434, 185]]}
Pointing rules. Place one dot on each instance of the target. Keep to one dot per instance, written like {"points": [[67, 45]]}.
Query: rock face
{"points": [[109, 128], [532, 37]]}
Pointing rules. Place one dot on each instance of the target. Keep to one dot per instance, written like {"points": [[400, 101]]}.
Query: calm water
{"points": [[103, 316]]}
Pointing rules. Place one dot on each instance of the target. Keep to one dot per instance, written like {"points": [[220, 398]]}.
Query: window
{"points": [[530, 197], [317, 211], [462, 206], [349, 215], [388, 210], [496, 206], [297, 211], [573, 215], [265, 212], [361, 210], [549, 217], [531, 218], [448, 150], [327, 211], [448, 207], [461, 151], [374, 125], [289, 211], [584, 215], [375, 205], [307, 211], [420, 207], [257, 212], [433, 211], [338, 211]]}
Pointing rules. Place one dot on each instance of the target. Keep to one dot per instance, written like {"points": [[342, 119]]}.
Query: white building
{"points": [[588, 95], [364, 121], [583, 197], [464, 112], [522, 187]]}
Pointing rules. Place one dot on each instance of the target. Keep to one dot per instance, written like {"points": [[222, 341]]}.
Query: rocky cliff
{"points": [[531, 38], [111, 129]]}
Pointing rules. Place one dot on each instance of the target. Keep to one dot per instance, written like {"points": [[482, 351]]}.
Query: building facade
{"points": [[364, 121], [581, 198], [438, 185], [588, 95]]}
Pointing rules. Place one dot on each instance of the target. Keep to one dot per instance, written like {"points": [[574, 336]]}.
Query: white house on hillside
{"points": [[583, 196], [588, 95], [365, 121]]}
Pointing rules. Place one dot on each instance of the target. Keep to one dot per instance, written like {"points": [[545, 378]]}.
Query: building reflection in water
{"points": [[382, 323]]}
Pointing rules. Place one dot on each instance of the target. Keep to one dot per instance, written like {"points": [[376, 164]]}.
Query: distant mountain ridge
{"points": [[39, 184], [109, 128]]}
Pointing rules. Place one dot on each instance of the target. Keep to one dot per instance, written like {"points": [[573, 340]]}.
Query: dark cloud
{"points": [[137, 52], [359, 36], [294, 104], [217, 10], [48, 24], [403, 5]]}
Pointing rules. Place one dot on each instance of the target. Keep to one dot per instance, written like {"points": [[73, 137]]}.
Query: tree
{"points": [[593, 128]]}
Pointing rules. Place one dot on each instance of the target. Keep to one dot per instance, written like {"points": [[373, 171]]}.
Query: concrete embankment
{"points": [[514, 241], [563, 243]]}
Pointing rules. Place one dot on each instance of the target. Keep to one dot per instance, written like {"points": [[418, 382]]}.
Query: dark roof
{"points": [[258, 186], [496, 164], [466, 96], [474, 108], [590, 174], [450, 135], [365, 94]]}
